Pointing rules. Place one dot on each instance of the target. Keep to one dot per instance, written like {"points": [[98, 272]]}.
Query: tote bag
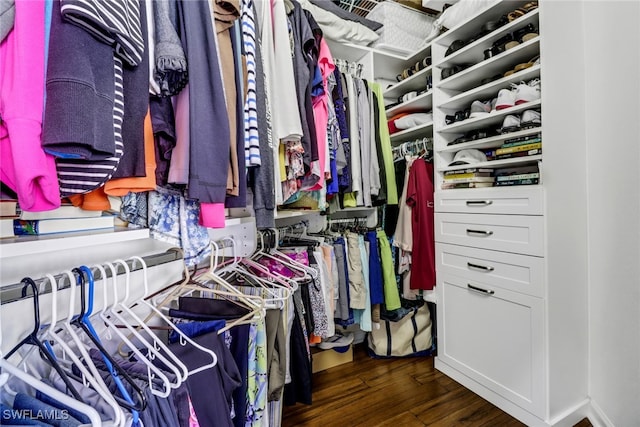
{"points": [[409, 336]]}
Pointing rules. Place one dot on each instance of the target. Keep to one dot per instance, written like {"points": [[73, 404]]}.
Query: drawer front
{"points": [[519, 273], [494, 337], [508, 233], [526, 200]]}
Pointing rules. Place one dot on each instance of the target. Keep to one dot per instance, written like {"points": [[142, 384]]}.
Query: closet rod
{"points": [[13, 292], [350, 220]]}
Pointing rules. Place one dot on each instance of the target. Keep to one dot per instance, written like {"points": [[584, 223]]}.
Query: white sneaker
{"points": [[506, 99], [527, 92], [511, 123], [479, 109], [530, 119]]}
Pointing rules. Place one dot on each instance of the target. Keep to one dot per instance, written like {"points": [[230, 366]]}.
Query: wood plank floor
{"points": [[394, 393]]}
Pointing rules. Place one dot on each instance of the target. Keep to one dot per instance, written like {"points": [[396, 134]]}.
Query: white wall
{"points": [[612, 78]]}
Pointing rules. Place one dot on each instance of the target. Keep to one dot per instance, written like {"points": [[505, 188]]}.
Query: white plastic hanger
{"points": [[152, 370], [289, 262], [90, 377], [87, 410], [121, 306], [278, 280], [255, 303], [184, 338], [271, 293], [262, 253]]}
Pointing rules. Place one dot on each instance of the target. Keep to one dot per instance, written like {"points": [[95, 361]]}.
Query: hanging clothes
{"points": [[420, 199], [209, 133], [250, 108], [25, 167], [170, 60]]}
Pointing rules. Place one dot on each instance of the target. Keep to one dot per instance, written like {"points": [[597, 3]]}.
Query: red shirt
{"points": [[420, 199]]}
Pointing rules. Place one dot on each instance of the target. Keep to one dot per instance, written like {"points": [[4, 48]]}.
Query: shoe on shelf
{"points": [[494, 101], [479, 109], [338, 340], [511, 44], [506, 99], [527, 92], [511, 123], [530, 119]]}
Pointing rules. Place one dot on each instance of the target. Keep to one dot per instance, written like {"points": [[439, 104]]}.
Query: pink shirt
{"points": [[24, 166], [321, 112]]}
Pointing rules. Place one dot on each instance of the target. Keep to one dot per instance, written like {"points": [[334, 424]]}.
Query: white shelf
{"points": [[498, 188], [499, 64], [421, 103], [285, 214], [494, 141], [494, 118], [412, 133], [347, 51], [474, 51], [437, 5], [468, 29], [489, 90], [32, 245], [417, 81], [228, 222], [495, 163]]}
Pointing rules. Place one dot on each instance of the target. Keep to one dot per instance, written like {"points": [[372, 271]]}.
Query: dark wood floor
{"points": [[393, 392]]}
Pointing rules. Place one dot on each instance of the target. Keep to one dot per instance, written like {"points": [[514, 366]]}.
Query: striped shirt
{"points": [[82, 176], [114, 22], [251, 135]]}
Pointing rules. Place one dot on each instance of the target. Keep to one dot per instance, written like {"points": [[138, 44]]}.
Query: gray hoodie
{"points": [[7, 17]]}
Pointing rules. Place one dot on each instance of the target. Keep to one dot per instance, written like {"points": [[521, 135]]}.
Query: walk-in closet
{"points": [[319, 213]]}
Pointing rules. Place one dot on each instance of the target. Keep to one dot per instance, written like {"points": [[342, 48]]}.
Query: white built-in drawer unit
{"points": [[518, 200], [495, 337], [508, 233], [518, 273]]}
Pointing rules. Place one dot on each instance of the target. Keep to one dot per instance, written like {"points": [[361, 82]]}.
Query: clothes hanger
{"points": [[152, 370], [184, 338], [271, 296], [253, 312], [255, 308], [190, 285], [90, 412], [118, 374], [90, 375], [285, 260], [250, 301], [253, 304], [153, 343], [32, 339], [303, 237], [248, 264]]}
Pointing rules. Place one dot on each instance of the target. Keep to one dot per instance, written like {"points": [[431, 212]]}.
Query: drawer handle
{"points": [[481, 232], [479, 202], [477, 289], [480, 267]]}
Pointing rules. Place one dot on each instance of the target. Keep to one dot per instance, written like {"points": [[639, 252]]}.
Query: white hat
{"points": [[468, 157]]}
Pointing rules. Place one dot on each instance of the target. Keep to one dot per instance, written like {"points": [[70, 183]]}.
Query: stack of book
{"points": [[529, 145], [8, 212], [468, 178], [65, 219], [520, 175]]}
